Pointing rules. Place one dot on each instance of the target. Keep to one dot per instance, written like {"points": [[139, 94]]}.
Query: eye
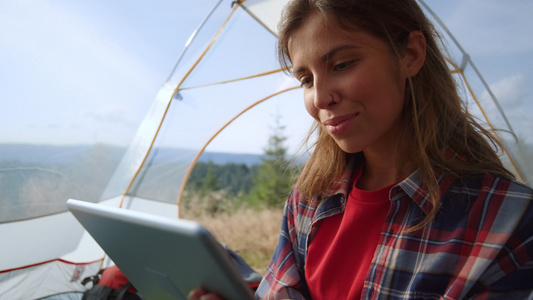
{"points": [[343, 65], [305, 81]]}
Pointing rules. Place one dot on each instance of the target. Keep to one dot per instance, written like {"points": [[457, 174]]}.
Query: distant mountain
{"points": [[47, 154], [222, 158], [63, 155]]}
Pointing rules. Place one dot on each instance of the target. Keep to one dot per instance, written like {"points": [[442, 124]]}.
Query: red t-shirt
{"points": [[341, 251]]}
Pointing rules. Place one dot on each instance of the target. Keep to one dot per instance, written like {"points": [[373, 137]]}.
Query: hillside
{"points": [[48, 154]]}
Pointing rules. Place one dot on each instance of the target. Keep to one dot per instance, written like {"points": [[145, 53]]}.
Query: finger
{"points": [[196, 294], [211, 297]]}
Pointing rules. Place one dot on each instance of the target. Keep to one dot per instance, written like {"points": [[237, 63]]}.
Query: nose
{"points": [[323, 95]]}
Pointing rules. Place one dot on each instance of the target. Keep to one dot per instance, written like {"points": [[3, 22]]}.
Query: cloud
{"points": [[511, 91], [493, 27], [60, 61], [515, 97], [111, 114], [65, 45]]}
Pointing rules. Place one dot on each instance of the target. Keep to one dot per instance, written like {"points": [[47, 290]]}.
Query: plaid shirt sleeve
{"points": [[510, 275], [284, 277]]}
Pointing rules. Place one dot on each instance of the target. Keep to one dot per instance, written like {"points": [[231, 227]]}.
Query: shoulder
{"points": [[496, 203], [489, 186], [331, 198], [300, 207], [338, 187]]}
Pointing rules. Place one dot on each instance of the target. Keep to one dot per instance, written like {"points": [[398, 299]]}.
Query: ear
{"points": [[415, 53]]}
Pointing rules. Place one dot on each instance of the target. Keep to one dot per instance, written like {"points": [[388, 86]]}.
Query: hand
{"points": [[201, 294]]}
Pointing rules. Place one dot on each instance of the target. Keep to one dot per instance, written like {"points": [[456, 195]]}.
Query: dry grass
{"points": [[253, 233]]}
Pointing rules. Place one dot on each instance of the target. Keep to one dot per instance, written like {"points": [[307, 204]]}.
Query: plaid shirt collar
{"points": [[410, 186]]}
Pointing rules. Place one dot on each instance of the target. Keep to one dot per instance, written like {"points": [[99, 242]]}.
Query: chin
{"points": [[349, 148]]}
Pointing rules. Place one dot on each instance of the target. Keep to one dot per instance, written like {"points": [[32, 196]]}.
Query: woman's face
{"points": [[352, 85]]}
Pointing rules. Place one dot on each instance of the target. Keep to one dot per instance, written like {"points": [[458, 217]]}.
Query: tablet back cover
{"points": [[163, 258]]}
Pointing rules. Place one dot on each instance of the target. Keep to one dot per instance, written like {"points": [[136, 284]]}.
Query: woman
{"points": [[404, 196]]}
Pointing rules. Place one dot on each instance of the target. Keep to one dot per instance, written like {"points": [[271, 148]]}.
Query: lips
{"points": [[339, 124]]}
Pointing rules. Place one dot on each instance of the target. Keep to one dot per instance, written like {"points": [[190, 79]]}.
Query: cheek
{"points": [[309, 106]]}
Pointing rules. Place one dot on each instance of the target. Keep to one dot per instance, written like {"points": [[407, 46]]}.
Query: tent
{"points": [[116, 145]]}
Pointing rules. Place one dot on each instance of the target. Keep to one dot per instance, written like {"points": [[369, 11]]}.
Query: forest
{"points": [[242, 205], [260, 185]]}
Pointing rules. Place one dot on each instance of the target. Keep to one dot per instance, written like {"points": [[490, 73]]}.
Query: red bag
{"points": [[110, 284]]}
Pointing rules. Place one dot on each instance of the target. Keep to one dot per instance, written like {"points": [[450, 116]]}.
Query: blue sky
{"points": [[87, 71]]}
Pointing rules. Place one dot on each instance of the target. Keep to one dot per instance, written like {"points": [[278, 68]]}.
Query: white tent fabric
{"points": [[46, 252], [55, 253]]}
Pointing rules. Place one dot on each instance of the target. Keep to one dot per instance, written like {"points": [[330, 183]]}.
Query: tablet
{"points": [[163, 258]]}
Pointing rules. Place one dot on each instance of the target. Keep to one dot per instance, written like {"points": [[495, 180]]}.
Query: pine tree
{"points": [[210, 181], [273, 180]]}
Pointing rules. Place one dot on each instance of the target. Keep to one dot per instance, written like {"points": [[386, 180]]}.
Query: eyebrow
{"points": [[328, 55], [334, 51]]}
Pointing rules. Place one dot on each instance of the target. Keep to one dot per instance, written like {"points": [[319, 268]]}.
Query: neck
{"points": [[383, 170]]}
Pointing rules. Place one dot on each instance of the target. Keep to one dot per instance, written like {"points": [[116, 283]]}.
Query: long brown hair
{"points": [[434, 117]]}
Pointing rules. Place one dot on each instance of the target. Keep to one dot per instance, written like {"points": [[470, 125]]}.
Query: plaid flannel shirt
{"points": [[480, 244]]}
